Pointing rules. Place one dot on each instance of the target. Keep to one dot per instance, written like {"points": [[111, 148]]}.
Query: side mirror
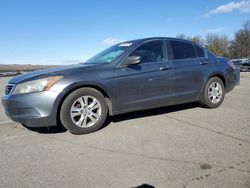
{"points": [[132, 60]]}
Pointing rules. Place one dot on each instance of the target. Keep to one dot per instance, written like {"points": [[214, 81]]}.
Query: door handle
{"points": [[166, 68], [203, 63]]}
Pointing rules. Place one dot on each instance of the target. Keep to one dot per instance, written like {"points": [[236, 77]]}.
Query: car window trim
{"points": [[183, 59], [165, 50]]}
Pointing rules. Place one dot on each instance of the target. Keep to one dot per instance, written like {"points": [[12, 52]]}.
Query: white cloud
{"points": [[242, 6], [111, 41], [216, 30]]}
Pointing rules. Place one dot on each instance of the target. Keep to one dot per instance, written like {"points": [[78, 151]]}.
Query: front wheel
{"points": [[213, 93], [83, 111]]}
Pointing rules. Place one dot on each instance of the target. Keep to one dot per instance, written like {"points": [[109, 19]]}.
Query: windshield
{"points": [[110, 54]]}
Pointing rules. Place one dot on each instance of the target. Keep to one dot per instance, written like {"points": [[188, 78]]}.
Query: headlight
{"points": [[39, 85]]}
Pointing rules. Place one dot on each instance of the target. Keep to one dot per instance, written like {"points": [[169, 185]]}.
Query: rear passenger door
{"points": [[189, 78]]}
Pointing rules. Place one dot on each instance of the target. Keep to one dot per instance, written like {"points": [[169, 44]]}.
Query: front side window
{"points": [[110, 54], [182, 50], [150, 52], [200, 52]]}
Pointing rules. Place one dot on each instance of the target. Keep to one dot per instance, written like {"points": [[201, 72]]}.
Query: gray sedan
{"points": [[130, 76]]}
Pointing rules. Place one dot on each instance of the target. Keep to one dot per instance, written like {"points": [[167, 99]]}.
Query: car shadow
{"points": [[153, 112], [122, 117], [144, 186], [47, 130]]}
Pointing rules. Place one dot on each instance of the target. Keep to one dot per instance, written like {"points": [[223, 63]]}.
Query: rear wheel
{"points": [[213, 94], [83, 111]]}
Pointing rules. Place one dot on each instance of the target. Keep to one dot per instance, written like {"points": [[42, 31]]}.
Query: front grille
{"points": [[8, 89]]}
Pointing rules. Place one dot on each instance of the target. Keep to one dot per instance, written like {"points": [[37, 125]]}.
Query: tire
{"points": [[83, 111], [212, 98]]}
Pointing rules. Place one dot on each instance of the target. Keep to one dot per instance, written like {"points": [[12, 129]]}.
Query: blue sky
{"points": [[69, 31]]}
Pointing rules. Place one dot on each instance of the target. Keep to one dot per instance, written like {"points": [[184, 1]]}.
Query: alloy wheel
{"points": [[215, 92], [85, 111]]}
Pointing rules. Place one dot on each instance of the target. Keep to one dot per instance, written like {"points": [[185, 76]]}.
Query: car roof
{"points": [[156, 38]]}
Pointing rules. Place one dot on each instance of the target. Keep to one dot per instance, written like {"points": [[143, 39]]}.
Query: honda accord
{"points": [[130, 76]]}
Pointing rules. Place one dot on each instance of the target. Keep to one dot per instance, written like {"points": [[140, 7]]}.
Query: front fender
{"points": [[71, 87]]}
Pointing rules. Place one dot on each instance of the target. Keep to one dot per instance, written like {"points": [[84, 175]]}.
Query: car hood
{"points": [[61, 70]]}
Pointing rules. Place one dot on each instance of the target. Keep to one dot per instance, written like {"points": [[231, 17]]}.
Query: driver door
{"points": [[147, 84]]}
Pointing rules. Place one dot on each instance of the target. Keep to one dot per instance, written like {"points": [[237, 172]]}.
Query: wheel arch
{"points": [[70, 89], [221, 76]]}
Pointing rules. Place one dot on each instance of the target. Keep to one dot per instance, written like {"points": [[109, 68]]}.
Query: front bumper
{"points": [[33, 109]]}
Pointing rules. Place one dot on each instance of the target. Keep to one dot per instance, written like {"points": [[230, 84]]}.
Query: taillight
{"points": [[231, 64]]}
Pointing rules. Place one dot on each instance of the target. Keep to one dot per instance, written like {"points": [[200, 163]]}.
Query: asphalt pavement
{"points": [[178, 146]]}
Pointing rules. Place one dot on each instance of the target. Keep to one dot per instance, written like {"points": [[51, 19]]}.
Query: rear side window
{"points": [[200, 52], [182, 50], [210, 55], [150, 52]]}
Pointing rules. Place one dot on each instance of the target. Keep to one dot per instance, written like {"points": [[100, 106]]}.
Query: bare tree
{"points": [[196, 39], [240, 47], [181, 36], [218, 44]]}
